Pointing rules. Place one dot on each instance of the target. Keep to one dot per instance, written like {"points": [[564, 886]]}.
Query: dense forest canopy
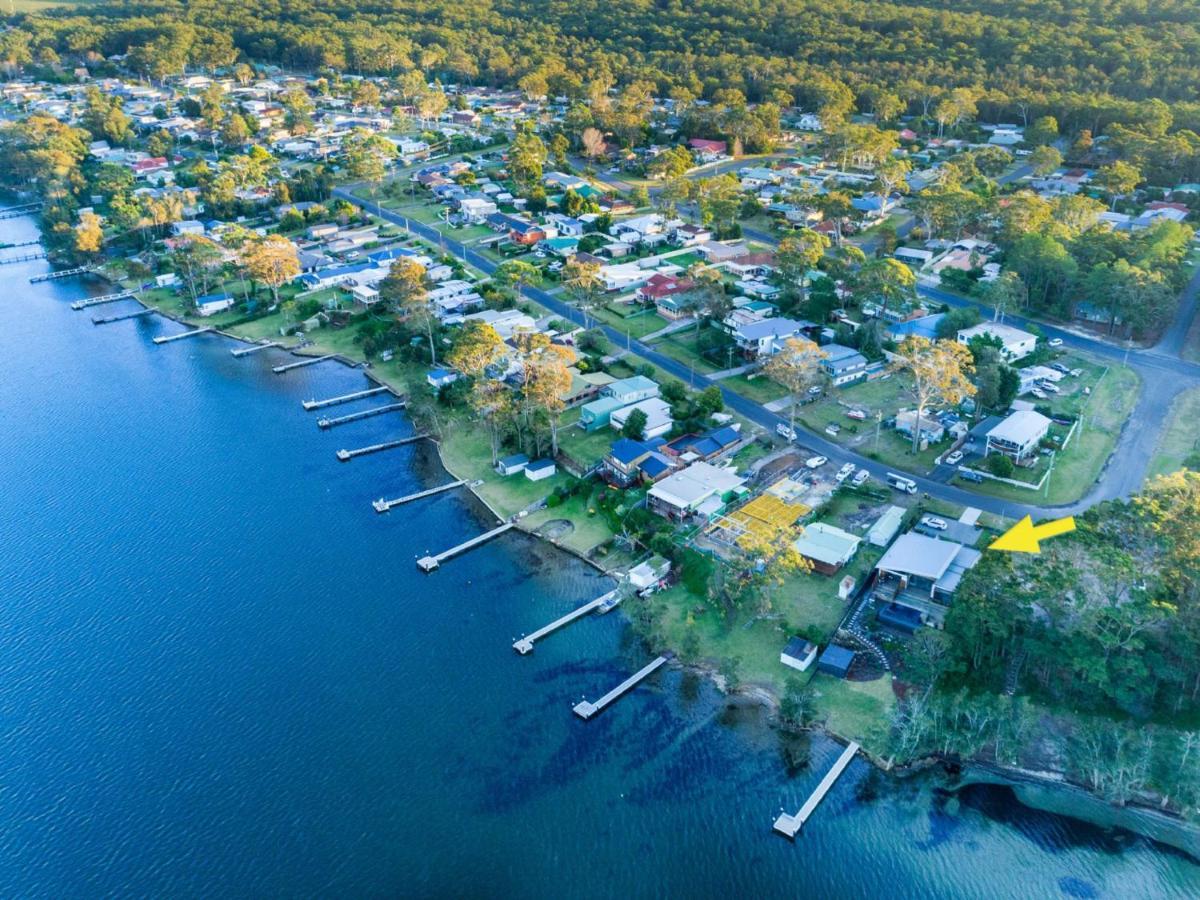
{"points": [[1091, 63]]}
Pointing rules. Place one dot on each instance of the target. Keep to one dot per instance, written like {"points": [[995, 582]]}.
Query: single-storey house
{"points": [[1017, 344], [826, 547], [648, 573], [439, 378]]}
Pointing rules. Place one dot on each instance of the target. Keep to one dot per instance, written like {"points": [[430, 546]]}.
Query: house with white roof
{"points": [[1018, 436], [1017, 344], [699, 490], [917, 577]]}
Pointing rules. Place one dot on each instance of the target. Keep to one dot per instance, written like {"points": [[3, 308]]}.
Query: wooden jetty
{"points": [[347, 455], [104, 320], [166, 339], [361, 414], [307, 361], [585, 709], [345, 398], [61, 273], [429, 563], [788, 825], [382, 506], [525, 644], [24, 257], [246, 351], [105, 298]]}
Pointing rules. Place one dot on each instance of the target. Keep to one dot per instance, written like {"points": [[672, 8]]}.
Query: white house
{"points": [[658, 417], [701, 488], [1017, 343], [1018, 436], [766, 336], [475, 210]]}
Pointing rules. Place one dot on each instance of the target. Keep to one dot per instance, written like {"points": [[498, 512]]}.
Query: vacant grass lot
{"points": [[1181, 438]]}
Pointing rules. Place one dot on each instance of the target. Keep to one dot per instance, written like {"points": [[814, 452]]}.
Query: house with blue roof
{"points": [[704, 447], [625, 464], [925, 326], [843, 365]]}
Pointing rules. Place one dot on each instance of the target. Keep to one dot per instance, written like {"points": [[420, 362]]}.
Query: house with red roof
{"points": [[706, 150], [661, 290]]}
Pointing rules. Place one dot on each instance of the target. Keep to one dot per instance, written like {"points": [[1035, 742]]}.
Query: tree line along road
{"points": [[1170, 376]]}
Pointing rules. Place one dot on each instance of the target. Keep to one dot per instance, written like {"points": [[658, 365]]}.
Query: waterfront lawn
{"points": [[589, 529], [1178, 440], [856, 710]]}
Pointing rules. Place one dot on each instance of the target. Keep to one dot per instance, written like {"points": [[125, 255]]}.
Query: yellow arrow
{"points": [[1024, 536]]}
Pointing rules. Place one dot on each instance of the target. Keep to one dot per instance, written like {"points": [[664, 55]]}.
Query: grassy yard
{"points": [[1181, 437], [634, 320], [682, 346], [588, 529], [857, 710], [759, 388]]}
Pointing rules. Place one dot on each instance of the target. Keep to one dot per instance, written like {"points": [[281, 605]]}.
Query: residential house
{"points": [[624, 464], [766, 336], [932, 430], [707, 151], [656, 410], [595, 415], [439, 378], [843, 365], [704, 447], [1018, 436], [1016, 344], [475, 210], [699, 490], [920, 574], [826, 547], [659, 287]]}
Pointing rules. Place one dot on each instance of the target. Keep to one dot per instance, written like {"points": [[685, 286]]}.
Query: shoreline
{"points": [[1047, 792]]}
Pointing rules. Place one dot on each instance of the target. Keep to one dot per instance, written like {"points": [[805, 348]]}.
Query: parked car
{"points": [[861, 477], [858, 414], [1075, 373], [832, 429], [1048, 386], [1059, 367], [844, 472], [934, 522], [814, 390], [970, 475], [1055, 342], [954, 458], [815, 462], [785, 432], [1038, 392]]}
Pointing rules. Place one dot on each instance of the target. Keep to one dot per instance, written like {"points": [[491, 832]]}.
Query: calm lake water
{"points": [[221, 674]]}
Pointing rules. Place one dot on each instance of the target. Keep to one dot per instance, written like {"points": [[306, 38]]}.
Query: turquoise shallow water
{"points": [[221, 674]]}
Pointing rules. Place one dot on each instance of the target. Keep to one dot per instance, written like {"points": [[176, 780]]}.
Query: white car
{"points": [[1055, 342], [814, 390], [1037, 392], [815, 462], [935, 523], [832, 429], [861, 477], [785, 432], [844, 472], [953, 459]]}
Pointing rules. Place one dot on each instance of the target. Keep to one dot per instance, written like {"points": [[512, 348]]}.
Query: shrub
{"points": [[1000, 465]]}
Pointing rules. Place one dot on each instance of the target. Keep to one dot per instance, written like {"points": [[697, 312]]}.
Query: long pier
{"points": [[585, 709], [525, 644], [166, 339], [308, 361], [13, 212], [345, 398], [24, 257], [104, 320], [788, 825], [429, 563], [347, 455], [61, 273], [246, 351], [361, 414], [105, 298], [382, 506]]}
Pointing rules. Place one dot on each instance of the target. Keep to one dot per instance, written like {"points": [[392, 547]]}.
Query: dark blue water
{"points": [[222, 675]]}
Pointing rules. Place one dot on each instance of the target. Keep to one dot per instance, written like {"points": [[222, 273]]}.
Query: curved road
{"points": [[1163, 377]]}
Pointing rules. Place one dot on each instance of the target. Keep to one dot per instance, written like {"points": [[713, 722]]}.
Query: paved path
{"points": [[1163, 377]]}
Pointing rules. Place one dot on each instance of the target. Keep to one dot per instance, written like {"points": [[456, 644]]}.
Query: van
{"points": [[900, 483]]}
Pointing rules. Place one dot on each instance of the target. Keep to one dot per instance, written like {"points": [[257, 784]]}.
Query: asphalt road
{"points": [[1163, 377]]}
